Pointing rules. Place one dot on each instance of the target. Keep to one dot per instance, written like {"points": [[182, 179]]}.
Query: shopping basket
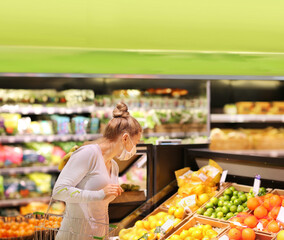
{"points": [[76, 229]]}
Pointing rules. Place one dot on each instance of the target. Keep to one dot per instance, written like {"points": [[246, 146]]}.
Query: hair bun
{"points": [[121, 110]]}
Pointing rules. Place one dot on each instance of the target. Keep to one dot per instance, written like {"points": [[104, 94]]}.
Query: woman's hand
{"points": [[112, 189]]}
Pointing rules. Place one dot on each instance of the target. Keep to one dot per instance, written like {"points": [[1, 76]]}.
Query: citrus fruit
{"points": [[273, 226], [274, 212], [146, 225], [179, 212], [161, 215], [275, 201], [260, 212], [248, 234], [264, 222], [184, 234], [280, 235], [176, 222], [234, 234], [251, 221], [172, 210], [253, 203], [139, 224], [197, 234]]}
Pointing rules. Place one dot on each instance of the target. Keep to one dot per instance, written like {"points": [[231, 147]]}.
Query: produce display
{"points": [[244, 139], [56, 207], [153, 227], [34, 154], [228, 204], [25, 186], [19, 227], [255, 108], [265, 210], [15, 124], [195, 188], [47, 96]]}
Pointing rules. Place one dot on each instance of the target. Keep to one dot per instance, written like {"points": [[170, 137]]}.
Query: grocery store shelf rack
{"points": [[239, 118], [39, 109], [175, 134], [48, 138], [22, 201], [26, 170]]}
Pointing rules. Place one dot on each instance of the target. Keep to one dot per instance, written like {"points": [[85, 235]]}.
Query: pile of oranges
{"points": [[26, 227], [266, 210], [238, 233]]}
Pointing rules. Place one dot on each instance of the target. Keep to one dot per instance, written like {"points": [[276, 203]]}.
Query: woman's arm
{"points": [[75, 170]]}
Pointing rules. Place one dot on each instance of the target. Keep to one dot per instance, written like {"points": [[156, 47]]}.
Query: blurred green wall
{"points": [[91, 35]]}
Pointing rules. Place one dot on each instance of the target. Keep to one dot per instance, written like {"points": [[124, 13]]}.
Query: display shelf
{"points": [[22, 201], [48, 138], [26, 170], [239, 118], [175, 134], [39, 109]]}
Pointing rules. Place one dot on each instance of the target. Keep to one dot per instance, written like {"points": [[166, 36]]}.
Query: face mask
{"points": [[125, 155]]}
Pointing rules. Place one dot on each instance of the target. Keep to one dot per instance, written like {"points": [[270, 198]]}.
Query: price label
{"points": [[256, 185], [259, 226], [280, 216], [202, 176], [224, 176], [167, 225], [224, 237]]}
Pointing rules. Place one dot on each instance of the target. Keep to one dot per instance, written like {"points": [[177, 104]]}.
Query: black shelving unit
{"points": [[273, 160]]}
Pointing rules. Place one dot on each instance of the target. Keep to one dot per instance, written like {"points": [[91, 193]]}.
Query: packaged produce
{"points": [[46, 127], [94, 125], [196, 188], [61, 124], [80, 125], [10, 156], [24, 125], [31, 157], [42, 181], [10, 122]]}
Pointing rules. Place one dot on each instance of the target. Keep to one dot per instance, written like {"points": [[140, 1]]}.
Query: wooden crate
{"points": [[279, 192], [258, 235], [131, 196], [203, 220]]}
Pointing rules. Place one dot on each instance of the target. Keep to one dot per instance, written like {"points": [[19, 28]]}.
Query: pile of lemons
{"points": [[149, 227], [202, 232]]}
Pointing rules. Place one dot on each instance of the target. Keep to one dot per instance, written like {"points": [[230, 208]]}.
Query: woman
{"points": [[89, 180]]}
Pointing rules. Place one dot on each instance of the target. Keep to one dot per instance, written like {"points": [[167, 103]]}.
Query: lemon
{"points": [[176, 221], [203, 198], [172, 210], [175, 237], [197, 234], [146, 225], [183, 234], [152, 218], [161, 215], [160, 223], [179, 212], [139, 224]]}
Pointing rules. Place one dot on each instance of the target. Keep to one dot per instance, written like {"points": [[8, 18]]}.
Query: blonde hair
{"points": [[122, 122]]}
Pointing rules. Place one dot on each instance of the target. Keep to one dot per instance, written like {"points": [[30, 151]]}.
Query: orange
{"points": [[251, 221], [266, 204], [234, 234], [273, 226], [248, 234], [268, 195], [253, 203], [275, 201], [264, 222], [260, 212], [280, 235], [274, 212]]}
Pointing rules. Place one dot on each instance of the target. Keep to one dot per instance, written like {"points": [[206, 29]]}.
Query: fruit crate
{"points": [[159, 209], [167, 203], [238, 187], [279, 192], [259, 235], [8, 234], [220, 226]]}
